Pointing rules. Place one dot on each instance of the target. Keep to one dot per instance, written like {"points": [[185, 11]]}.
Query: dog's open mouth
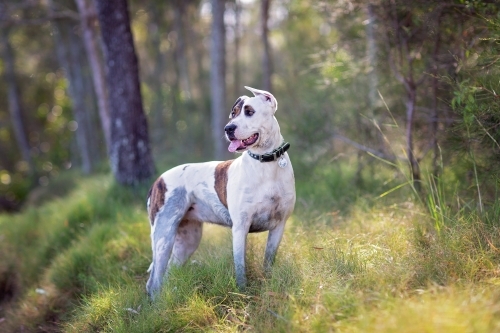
{"points": [[238, 145]]}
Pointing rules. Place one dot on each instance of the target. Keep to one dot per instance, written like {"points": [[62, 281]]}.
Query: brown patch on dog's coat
{"points": [[221, 181], [248, 108], [156, 198], [236, 109]]}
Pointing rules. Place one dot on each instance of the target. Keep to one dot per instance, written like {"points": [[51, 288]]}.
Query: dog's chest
{"points": [[267, 217], [260, 195], [269, 207]]}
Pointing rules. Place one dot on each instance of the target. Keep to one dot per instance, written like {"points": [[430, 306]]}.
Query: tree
{"points": [[180, 47], [267, 65], [237, 41], [155, 75], [15, 99], [69, 51], [401, 35], [423, 45], [371, 56], [87, 20], [477, 135], [130, 156], [217, 74]]}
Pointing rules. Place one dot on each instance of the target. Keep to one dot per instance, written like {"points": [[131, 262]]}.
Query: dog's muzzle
{"points": [[229, 129], [236, 143]]}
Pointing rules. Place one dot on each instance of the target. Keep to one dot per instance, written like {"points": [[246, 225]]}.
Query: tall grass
{"points": [[349, 261]]}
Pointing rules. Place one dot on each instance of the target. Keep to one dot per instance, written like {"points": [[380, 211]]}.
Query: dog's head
{"points": [[252, 122]]}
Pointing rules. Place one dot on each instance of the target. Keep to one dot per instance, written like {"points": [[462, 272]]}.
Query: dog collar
{"points": [[272, 156]]}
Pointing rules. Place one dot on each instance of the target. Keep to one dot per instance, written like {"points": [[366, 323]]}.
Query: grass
{"points": [[349, 262]]}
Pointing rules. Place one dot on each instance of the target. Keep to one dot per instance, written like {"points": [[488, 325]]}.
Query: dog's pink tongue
{"points": [[234, 145]]}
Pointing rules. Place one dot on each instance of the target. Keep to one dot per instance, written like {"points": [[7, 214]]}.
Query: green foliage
{"points": [[476, 101]]}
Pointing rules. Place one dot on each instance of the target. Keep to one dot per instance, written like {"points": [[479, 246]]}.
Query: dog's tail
{"points": [[156, 198]]}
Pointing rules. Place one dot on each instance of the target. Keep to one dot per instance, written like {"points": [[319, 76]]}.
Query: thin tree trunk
{"points": [[372, 131], [180, 49], [130, 155], [236, 55], [87, 18], [78, 92], [175, 89], [196, 43], [405, 60], [15, 100], [410, 115], [267, 65], [434, 127], [217, 75], [68, 58], [158, 129], [434, 116], [371, 55]]}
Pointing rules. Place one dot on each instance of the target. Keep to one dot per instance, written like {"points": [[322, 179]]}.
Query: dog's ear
{"points": [[267, 96]]}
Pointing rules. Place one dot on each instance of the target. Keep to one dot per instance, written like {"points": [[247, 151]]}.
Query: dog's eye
{"points": [[231, 115], [249, 112]]}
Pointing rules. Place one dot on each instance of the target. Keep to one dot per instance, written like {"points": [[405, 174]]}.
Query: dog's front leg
{"points": [[239, 250], [273, 241]]}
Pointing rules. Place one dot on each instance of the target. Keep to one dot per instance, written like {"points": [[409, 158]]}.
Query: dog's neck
{"points": [[276, 154], [268, 145]]}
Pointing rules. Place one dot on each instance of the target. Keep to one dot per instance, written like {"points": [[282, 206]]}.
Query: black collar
{"points": [[272, 156]]}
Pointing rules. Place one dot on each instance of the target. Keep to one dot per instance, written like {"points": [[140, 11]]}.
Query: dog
{"points": [[252, 193]]}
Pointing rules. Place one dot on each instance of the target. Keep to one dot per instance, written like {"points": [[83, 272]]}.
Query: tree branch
{"points": [[9, 14], [66, 14], [369, 150]]}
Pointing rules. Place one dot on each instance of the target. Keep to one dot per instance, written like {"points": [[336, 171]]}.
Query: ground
{"points": [[355, 261]]}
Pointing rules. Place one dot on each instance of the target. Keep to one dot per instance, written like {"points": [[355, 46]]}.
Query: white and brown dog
{"points": [[253, 193]]}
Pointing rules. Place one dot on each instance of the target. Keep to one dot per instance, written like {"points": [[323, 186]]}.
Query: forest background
{"points": [[381, 100]]}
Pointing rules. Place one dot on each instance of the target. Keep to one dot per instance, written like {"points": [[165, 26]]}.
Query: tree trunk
{"points": [[68, 57], [267, 65], [434, 115], [196, 43], [217, 75], [180, 48], [373, 132], [130, 156], [405, 74], [410, 115], [157, 77], [371, 55], [80, 108], [15, 100], [87, 18], [236, 55]]}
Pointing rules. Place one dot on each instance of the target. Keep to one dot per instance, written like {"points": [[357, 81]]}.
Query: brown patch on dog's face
{"points": [[156, 198], [249, 110], [221, 181], [236, 109]]}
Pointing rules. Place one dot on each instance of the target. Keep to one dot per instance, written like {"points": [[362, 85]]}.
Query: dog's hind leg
{"points": [[187, 239], [163, 236]]}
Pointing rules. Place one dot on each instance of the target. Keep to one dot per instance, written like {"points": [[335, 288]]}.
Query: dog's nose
{"points": [[230, 128]]}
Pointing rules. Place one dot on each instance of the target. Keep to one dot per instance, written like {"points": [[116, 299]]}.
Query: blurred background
{"points": [[410, 87], [393, 115]]}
